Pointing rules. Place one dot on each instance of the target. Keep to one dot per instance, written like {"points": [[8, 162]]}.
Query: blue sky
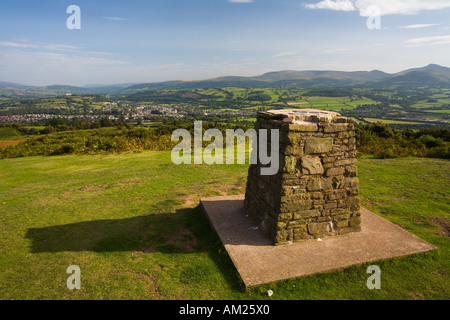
{"points": [[156, 40]]}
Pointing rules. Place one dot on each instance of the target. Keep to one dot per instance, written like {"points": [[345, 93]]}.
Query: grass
{"points": [[356, 102], [373, 120], [357, 121], [10, 134], [438, 111], [130, 222], [336, 104]]}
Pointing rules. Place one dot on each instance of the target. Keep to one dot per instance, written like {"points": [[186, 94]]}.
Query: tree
{"points": [[106, 122]]}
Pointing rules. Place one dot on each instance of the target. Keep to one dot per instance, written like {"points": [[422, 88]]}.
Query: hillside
{"points": [[130, 222], [432, 75], [11, 86]]}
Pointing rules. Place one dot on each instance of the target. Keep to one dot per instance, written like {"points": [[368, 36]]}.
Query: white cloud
{"points": [[44, 68], [426, 41], [416, 26], [17, 45], [241, 1], [386, 7], [283, 54], [117, 19], [336, 50], [59, 47], [338, 5], [45, 63], [45, 46]]}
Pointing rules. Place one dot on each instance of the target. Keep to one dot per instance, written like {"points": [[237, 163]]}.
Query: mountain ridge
{"points": [[431, 75]]}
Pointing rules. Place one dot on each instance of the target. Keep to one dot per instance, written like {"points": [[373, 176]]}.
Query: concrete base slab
{"points": [[258, 261]]}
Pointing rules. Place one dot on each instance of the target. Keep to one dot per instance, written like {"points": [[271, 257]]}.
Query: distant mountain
{"points": [[431, 75], [277, 78], [310, 75], [107, 89], [117, 85], [67, 89], [11, 86]]}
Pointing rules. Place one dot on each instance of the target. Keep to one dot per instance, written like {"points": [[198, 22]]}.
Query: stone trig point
{"points": [[314, 193]]}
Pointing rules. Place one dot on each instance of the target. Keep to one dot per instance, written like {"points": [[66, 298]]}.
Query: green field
{"points": [[228, 104], [438, 111], [36, 127], [336, 103], [130, 222], [372, 120]]}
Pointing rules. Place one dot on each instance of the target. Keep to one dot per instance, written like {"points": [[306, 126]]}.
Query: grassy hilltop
{"points": [[130, 222]]}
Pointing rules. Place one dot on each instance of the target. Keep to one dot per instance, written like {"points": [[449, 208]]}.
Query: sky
{"points": [[137, 41]]}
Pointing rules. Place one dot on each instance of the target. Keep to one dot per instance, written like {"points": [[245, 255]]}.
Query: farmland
{"points": [[414, 108], [105, 199]]}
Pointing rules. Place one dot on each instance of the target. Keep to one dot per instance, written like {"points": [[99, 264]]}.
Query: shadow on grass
{"points": [[184, 231], [164, 232]]}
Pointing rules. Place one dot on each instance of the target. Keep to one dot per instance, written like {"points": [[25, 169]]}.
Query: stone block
{"points": [[293, 150], [319, 184], [335, 171], [345, 162], [306, 214], [341, 120], [303, 127], [300, 233], [351, 171], [311, 165], [355, 220], [318, 228], [290, 138], [341, 224], [289, 163], [295, 206], [318, 145], [335, 128]]}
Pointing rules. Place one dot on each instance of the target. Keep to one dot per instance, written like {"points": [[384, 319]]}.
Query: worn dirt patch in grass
{"points": [[193, 200], [183, 238], [373, 203], [87, 189], [190, 201], [443, 224]]}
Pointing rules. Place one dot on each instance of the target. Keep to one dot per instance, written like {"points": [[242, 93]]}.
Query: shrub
{"points": [[385, 142], [431, 142]]}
